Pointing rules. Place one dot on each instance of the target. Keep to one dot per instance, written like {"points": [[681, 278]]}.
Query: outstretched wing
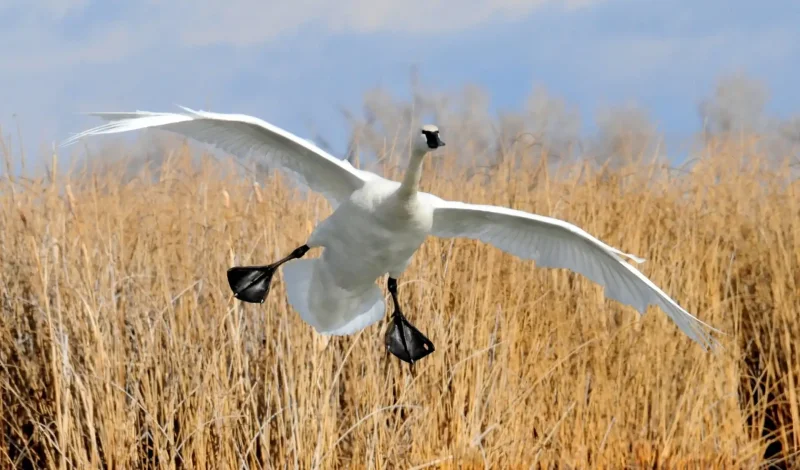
{"points": [[558, 244], [243, 136]]}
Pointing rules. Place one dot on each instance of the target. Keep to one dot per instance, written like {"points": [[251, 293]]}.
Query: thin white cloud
{"points": [[49, 51], [251, 22], [246, 22], [628, 59], [43, 9]]}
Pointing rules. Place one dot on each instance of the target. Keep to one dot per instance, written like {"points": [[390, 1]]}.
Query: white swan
{"points": [[379, 224]]}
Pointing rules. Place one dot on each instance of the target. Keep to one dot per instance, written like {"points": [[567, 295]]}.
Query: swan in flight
{"points": [[378, 225]]}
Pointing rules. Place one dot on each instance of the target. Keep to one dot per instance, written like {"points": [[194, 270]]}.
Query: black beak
{"points": [[433, 140]]}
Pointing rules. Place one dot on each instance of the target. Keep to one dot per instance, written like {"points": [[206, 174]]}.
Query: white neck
{"points": [[413, 174]]}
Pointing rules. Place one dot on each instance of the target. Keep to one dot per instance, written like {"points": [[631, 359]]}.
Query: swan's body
{"points": [[379, 224], [373, 233]]}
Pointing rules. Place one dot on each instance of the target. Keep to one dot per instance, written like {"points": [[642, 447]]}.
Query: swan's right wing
{"points": [[243, 136], [558, 244]]}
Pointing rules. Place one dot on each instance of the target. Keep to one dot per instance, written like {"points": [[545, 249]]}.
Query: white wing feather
{"points": [[242, 136], [558, 244]]}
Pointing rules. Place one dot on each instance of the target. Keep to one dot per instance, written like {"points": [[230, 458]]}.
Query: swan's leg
{"points": [[402, 338], [251, 283]]}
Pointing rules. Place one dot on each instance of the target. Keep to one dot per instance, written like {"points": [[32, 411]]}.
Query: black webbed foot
{"points": [[250, 283], [405, 341]]}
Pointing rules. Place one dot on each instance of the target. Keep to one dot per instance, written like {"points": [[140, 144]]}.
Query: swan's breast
{"points": [[372, 233]]}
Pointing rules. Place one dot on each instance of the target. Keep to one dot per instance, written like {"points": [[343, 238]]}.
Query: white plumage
{"points": [[378, 225]]}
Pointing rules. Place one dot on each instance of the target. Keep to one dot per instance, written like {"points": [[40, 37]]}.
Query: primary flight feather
{"points": [[378, 225]]}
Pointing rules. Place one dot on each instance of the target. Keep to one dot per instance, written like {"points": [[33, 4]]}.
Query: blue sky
{"points": [[295, 63]]}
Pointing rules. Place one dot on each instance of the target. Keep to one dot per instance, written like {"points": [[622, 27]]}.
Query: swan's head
{"points": [[427, 140]]}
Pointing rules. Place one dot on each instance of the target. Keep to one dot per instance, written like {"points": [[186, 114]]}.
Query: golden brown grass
{"points": [[121, 346]]}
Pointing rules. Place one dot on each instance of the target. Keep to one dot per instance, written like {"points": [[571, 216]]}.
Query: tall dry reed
{"points": [[121, 345]]}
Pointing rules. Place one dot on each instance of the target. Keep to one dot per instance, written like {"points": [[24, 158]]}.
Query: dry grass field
{"points": [[121, 345]]}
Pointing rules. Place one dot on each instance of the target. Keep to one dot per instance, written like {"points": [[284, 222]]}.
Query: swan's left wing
{"points": [[558, 244], [242, 136]]}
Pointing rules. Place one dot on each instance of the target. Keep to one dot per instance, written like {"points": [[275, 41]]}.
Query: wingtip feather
{"points": [[188, 110], [631, 257]]}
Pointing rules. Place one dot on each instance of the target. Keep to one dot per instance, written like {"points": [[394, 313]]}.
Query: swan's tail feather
{"points": [[330, 309]]}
